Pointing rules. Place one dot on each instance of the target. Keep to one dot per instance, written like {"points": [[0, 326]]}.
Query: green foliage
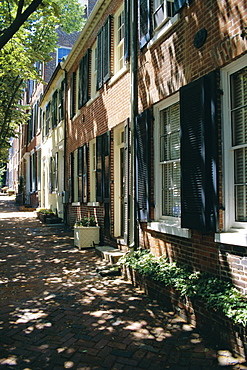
{"points": [[33, 42], [45, 211], [86, 222], [217, 294]]}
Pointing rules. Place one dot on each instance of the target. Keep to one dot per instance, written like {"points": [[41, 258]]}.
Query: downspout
{"points": [[134, 235], [65, 192]]}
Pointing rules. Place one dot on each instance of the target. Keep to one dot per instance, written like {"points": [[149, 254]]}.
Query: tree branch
{"points": [[18, 22]]}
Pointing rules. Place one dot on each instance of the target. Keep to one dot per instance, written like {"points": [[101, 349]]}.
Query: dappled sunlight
{"points": [[57, 311]]}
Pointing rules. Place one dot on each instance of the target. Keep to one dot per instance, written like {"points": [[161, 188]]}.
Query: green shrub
{"points": [[45, 211], [86, 222], [216, 293]]}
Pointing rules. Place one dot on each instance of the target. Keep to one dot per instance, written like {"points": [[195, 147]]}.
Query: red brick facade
{"points": [[171, 59]]}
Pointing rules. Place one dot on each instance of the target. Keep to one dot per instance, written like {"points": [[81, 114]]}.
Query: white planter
{"points": [[86, 237]]}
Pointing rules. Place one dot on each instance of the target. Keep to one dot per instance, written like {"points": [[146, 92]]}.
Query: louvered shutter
{"points": [[199, 195], [106, 55], [54, 110], [179, 4], [71, 96], [71, 178], [84, 174], [106, 181], [61, 101], [127, 177], [80, 172], [144, 22], [106, 167], [126, 30], [99, 81], [142, 150], [99, 195], [80, 87], [85, 77]]}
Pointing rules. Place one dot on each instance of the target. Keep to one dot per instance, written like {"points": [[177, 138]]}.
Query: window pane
{"points": [[171, 189], [170, 160], [239, 137]]}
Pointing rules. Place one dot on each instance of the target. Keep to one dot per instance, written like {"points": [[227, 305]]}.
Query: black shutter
{"points": [[80, 173], [127, 176], [99, 195], [106, 181], [61, 100], [54, 110], [71, 96], [142, 150], [144, 22], [106, 166], [106, 55], [179, 4], [83, 90], [85, 77], [84, 174], [126, 30], [99, 82], [80, 87], [199, 197], [71, 178]]}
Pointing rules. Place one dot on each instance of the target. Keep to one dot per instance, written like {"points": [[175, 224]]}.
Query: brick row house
{"points": [[155, 130], [144, 126], [27, 178]]}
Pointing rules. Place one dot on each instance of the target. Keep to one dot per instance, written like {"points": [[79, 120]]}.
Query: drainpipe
{"points": [[134, 235], [65, 190]]}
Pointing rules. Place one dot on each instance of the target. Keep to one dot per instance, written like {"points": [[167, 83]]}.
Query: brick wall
{"points": [[174, 61], [170, 63]]}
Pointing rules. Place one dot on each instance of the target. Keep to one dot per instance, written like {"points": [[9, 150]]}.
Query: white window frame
{"points": [[158, 5], [163, 224], [118, 46], [233, 232]]}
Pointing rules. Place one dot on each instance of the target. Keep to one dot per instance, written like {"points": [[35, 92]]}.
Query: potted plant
{"points": [[48, 216], [86, 232]]}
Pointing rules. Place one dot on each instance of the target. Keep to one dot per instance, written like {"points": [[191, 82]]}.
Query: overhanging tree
{"points": [[28, 35]]}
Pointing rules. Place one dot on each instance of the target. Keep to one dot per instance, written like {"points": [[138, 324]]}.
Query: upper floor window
{"points": [[93, 70], [119, 39], [61, 53], [163, 10], [83, 82], [104, 54]]}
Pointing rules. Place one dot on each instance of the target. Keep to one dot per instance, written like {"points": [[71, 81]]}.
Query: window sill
{"points": [[166, 228], [234, 236], [162, 31], [90, 101], [119, 74], [93, 204]]}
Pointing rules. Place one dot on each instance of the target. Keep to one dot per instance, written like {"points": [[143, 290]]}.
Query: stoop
{"points": [[109, 254]]}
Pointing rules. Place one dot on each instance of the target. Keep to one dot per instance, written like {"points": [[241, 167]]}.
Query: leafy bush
{"points": [[86, 222], [45, 211], [217, 294]]}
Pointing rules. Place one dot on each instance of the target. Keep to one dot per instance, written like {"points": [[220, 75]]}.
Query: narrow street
{"points": [[57, 312]]}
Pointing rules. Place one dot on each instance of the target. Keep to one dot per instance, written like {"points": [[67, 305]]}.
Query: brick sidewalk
{"points": [[56, 312]]}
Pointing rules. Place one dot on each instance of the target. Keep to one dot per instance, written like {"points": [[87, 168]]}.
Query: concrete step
{"points": [[108, 253]]}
